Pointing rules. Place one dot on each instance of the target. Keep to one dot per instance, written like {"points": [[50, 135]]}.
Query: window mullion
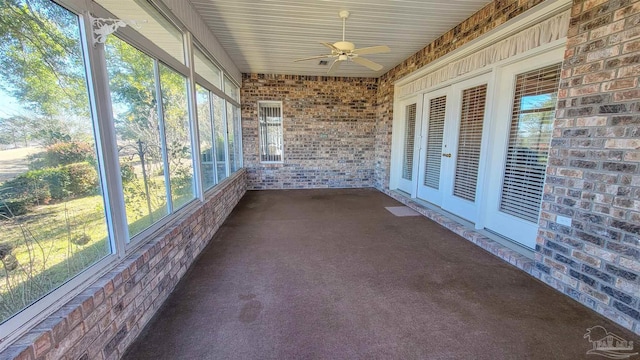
{"points": [[192, 104], [227, 157], [163, 138], [214, 144], [238, 135], [106, 140]]}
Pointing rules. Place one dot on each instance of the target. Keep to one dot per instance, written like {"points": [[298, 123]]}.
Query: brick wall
{"points": [[594, 170], [104, 319], [329, 127], [492, 15]]}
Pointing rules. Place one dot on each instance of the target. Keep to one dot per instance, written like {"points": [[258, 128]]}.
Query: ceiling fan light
{"points": [[343, 57]]}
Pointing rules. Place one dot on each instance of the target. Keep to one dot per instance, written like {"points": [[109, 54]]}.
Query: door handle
{"points": [[446, 155]]}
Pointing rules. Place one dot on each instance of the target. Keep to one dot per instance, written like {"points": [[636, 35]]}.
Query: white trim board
{"points": [[535, 16]]}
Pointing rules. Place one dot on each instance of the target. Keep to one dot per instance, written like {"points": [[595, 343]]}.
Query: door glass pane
{"points": [[207, 153], [409, 135], [133, 95], [532, 118], [52, 216], [469, 142], [178, 135], [220, 136], [435, 132]]}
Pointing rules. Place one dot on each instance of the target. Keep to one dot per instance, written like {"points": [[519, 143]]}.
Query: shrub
{"points": [[127, 172], [83, 179], [68, 181], [41, 186], [56, 179], [14, 207], [65, 153], [28, 186]]}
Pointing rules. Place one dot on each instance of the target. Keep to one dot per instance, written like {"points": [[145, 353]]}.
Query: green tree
{"points": [[41, 61], [15, 130], [132, 84]]}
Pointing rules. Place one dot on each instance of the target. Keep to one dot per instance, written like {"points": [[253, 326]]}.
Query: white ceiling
{"points": [[265, 36]]}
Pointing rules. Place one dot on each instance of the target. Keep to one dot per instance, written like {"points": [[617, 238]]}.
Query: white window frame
{"points": [[107, 153], [282, 153]]}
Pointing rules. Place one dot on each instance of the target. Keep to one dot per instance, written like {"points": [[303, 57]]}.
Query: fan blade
{"points": [[330, 46], [334, 67], [368, 63], [314, 57], [372, 50]]}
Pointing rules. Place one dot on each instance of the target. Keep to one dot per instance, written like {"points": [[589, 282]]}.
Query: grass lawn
{"points": [[53, 243], [49, 245]]}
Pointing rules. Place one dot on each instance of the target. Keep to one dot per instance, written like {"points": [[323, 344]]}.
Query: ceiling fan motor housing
{"points": [[344, 46]]}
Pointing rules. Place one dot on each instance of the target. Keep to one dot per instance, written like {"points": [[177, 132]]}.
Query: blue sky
{"points": [[9, 106], [530, 102]]}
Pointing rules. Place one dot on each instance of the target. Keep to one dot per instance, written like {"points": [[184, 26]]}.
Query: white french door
{"points": [[480, 145], [409, 114], [432, 134], [520, 145], [452, 143]]}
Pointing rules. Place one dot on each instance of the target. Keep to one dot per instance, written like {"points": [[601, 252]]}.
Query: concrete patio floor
{"points": [[331, 274]]}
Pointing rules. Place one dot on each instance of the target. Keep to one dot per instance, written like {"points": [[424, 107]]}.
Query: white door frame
{"points": [[519, 230]]}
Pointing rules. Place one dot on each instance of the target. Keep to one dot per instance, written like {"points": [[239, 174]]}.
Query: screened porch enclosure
{"points": [[173, 186]]}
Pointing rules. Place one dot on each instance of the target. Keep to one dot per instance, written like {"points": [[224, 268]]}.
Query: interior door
{"points": [[431, 172], [520, 146], [409, 115], [461, 151]]}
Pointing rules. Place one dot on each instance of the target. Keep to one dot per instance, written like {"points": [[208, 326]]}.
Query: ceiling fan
{"points": [[346, 51]]}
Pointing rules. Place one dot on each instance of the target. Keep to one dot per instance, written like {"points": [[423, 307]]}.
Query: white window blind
{"points": [[270, 133], [469, 142], [532, 117], [433, 157], [409, 135]]}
